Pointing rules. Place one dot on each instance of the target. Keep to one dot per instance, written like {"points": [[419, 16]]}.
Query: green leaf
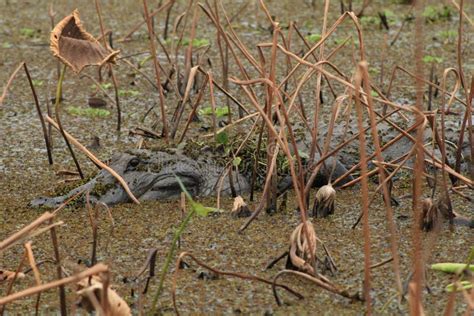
{"points": [[432, 59], [221, 111], [37, 83], [453, 287], [128, 93], [87, 112], [236, 162], [200, 209], [313, 38], [450, 267], [369, 20], [28, 32], [7, 45], [222, 138]]}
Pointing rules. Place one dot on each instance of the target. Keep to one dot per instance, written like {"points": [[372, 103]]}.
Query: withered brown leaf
{"points": [[75, 47]]}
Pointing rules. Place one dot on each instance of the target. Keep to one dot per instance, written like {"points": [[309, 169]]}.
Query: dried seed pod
{"points": [[324, 202], [75, 47], [430, 216], [240, 208]]}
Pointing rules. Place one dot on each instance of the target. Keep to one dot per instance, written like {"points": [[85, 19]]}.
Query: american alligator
{"points": [[151, 175]]}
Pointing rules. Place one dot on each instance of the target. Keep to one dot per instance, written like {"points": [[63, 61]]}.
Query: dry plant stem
{"points": [[271, 197], [57, 112], [327, 286], [388, 178], [462, 12], [111, 70], [314, 131], [9, 82], [213, 104], [364, 190], [193, 111], [417, 283], [117, 99], [98, 268], [32, 262], [180, 108], [386, 194], [467, 117], [228, 95], [96, 161], [93, 221], [99, 86], [441, 89], [36, 273], [323, 39], [281, 141], [157, 71], [22, 233], [219, 272], [227, 39], [61, 289], [379, 264], [40, 115], [152, 14], [12, 281]]}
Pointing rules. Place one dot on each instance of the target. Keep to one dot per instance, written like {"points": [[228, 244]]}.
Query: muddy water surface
{"points": [[25, 174]]}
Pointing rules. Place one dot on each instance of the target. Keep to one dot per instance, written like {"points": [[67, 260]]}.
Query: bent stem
{"points": [[57, 104]]}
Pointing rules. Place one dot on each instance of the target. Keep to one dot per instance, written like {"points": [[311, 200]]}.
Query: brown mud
{"points": [[25, 174]]}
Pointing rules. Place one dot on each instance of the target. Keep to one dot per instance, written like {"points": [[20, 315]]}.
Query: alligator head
{"points": [[152, 176]]}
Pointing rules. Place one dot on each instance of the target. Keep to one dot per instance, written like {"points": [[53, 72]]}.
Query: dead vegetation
{"points": [[264, 89]]}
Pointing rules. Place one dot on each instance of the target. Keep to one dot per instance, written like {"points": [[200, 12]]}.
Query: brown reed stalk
{"points": [[467, 120], [213, 104], [220, 272], [317, 99], [364, 186], [224, 57], [57, 112], [157, 71], [382, 176], [194, 108], [319, 282], [57, 257], [191, 78], [96, 160], [40, 115], [417, 259], [36, 273], [9, 82], [12, 281], [109, 65], [165, 6], [98, 268]]}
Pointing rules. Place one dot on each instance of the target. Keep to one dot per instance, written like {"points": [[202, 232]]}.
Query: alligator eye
{"points": [[134, 162]]}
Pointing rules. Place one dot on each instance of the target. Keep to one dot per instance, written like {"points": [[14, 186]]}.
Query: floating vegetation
{"points": [[87, 112]]}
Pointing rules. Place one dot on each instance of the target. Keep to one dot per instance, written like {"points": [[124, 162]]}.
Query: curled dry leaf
{"points": [[92, 287], [75, 47], [302, 255], [6, 275]]}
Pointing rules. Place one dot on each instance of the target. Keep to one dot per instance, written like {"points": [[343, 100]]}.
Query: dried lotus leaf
{"points": [[75, 47]]}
